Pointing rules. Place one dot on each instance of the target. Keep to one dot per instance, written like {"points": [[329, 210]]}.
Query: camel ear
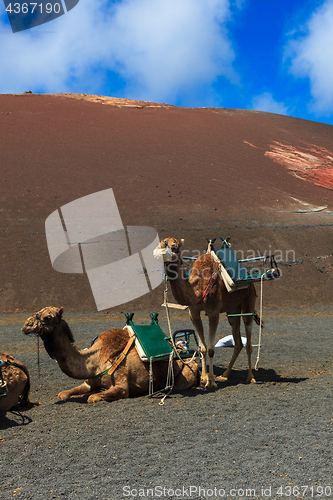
{"points": [[61, 310], [181, 242]]}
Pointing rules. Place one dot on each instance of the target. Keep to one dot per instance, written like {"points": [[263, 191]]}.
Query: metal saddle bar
{"points": [[237, 272]]}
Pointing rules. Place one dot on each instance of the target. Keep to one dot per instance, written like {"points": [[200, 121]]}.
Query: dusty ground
{"points": [[273, 434]]}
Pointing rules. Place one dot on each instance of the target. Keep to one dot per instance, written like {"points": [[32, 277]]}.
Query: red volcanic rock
{"points": [[309, 162], [189, 173]]}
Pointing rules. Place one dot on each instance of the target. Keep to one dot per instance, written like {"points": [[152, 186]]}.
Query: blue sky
{"points": [[269, 55]]}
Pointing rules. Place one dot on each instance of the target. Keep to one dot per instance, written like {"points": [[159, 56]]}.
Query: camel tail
{"points": [[258, 320]]}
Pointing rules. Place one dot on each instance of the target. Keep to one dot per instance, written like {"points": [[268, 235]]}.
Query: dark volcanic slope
{"points": [[191, 173]]}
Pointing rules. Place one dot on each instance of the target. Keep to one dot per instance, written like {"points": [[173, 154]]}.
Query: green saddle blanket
{"points": [[150, 341]]}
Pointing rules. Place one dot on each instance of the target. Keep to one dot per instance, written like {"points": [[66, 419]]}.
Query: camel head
{"points": [[168, 249], [43, 323]]}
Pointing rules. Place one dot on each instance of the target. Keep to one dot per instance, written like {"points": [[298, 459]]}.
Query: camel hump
{"points": [[112, 343], [203, 261], [203, 267]]}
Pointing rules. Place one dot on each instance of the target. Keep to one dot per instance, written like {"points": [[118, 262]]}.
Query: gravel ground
{"points": [[272, 439]]}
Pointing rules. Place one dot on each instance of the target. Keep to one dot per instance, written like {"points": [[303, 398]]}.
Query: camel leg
{"points": [[248, 322], [115, 392], [235, 325], [187, 376], [197, 323], [80, 390], [213, 324]]}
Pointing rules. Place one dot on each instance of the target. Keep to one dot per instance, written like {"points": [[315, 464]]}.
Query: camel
{"points": [[190, 291], [14, 383], [130, 378]]}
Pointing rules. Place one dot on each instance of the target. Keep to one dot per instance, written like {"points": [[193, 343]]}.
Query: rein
{"points": [[120, 358]]}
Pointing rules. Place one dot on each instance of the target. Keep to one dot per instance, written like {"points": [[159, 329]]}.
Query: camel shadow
{"points": [[238, 377], [18, 420], [262, 375]]}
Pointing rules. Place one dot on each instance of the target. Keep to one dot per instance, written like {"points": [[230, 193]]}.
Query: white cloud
{"points": [[266, 102], [161, 48], [312, 57]]}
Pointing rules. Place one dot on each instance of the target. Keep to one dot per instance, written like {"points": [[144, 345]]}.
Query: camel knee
{"points": [[211, 352]]}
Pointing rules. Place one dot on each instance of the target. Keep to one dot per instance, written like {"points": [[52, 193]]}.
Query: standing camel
{"points": [[111, 366], [190, 292], [14, 383]]}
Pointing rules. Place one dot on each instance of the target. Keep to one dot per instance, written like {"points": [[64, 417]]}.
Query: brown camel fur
{"points": [[131, 378], [16, 376], [218, 300]]}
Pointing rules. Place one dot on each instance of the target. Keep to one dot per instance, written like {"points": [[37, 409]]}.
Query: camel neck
{"points": [[181, 289], [71, 361]]}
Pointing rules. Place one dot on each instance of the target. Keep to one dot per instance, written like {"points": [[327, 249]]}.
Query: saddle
{"points": [[151, 343], [234, 274]]}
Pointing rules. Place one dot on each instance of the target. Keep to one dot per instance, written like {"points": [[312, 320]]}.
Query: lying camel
{"points": [[14, 383], [96, 364]]}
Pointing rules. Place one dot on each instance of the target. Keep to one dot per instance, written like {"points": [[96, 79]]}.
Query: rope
{"points": [[38, 359], [171, 375], [166, 304], [197, 351], [151, 377], [260, 322], [170, 379]]}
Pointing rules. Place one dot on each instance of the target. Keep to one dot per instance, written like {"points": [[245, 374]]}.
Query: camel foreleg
{"points": [[81, 390], [112, 394]]}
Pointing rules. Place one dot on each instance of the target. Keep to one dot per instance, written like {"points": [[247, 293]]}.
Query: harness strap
{"points": [[120, 358], [13, 364]]}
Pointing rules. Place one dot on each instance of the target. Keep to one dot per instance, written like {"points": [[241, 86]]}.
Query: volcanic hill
{"points": [[263, 179]]}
